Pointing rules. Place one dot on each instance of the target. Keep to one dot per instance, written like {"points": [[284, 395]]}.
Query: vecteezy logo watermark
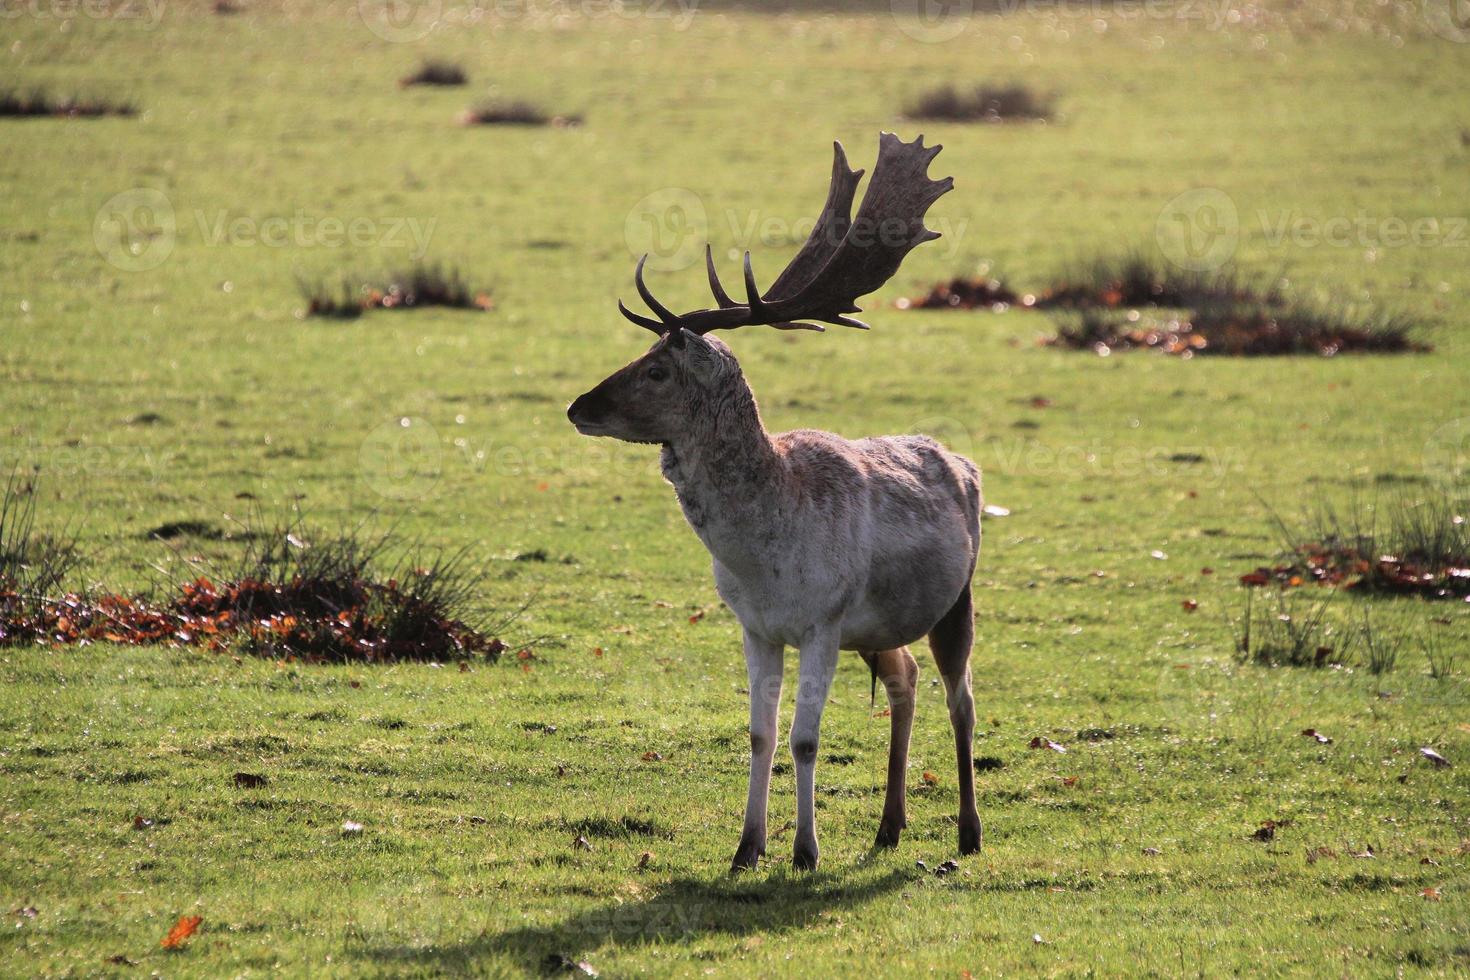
{"points": [[306, 231], [402, 459], [670, 226], [149, 12], [136, 229], [400, 20], [1198, 230], [951, 433], [932, 21], [1450, 19]]}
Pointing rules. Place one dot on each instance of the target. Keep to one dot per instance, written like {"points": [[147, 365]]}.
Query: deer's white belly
{"points": [[882, 613]]}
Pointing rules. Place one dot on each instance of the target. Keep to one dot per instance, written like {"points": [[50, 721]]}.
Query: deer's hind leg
{"points": [[899, 673], [950, 642]]}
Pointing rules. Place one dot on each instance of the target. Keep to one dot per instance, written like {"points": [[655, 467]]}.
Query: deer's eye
{"points": [[657, 373]]}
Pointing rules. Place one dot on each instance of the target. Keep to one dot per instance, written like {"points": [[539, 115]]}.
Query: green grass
{"points": [[165, 394]]}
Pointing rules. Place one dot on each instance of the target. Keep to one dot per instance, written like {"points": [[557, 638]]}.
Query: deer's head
{"points": [[654, 398]]}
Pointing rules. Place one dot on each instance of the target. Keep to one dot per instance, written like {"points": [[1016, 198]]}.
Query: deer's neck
{"points": [[727, 474]]}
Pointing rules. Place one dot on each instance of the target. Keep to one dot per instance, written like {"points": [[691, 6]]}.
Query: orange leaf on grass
{"points": [[182, 930], [930, 779]]}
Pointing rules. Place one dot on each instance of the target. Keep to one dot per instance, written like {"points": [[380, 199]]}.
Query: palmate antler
{"points": [[843, 259]]}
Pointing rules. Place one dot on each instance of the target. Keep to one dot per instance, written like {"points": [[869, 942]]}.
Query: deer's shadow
{"points": [[680, 909]]}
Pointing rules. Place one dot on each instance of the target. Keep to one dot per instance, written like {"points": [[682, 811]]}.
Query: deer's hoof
{"points": [[888, 835], [747, 856], [804, 858], [970, 837]]}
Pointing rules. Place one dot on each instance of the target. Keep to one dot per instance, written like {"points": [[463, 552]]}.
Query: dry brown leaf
{"points": [[182, 930]]}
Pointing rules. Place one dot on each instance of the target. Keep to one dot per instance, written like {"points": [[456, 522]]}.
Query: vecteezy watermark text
{"points": [[149, 12], [136, 230], [302, 230], [1201, 229], [672, 225]]}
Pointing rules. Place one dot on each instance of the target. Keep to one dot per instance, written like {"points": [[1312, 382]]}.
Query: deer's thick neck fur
{"points": [[726, 472]]}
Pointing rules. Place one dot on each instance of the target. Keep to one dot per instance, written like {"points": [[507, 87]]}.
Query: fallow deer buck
{"points": [[818, 542]]}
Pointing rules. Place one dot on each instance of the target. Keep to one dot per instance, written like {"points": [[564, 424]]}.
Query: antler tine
{"points": [[752, 291], [659, 310], [721, 297], [641, 320]]}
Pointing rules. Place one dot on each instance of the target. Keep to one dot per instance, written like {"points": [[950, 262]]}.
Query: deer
{"points": [[818, 542]]}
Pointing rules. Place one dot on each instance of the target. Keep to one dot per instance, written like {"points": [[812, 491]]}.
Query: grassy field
{"points": [[155, 365]]}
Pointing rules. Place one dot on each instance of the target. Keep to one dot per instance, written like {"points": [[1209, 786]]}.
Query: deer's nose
{"points": [[587, 409]]}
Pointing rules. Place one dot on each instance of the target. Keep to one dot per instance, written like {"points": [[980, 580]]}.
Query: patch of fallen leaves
{"points": [[316, 620], [1344, 566]]}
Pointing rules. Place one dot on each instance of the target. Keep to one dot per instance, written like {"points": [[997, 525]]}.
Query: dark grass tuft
{"points": [[33, 564], [985, 103], [334, 597], [614, 828], [1132, 280], [417, 286], [964, 294], [1242, 331], [294, 592], [198, 530], [36, 102], [1286, 630], [515, 113], [1404, 546], [1217, 313], [436, 72], [340, 301]]}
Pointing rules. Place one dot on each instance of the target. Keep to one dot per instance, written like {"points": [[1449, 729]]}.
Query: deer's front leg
{"points": [[818, 664], [763, 668]]}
